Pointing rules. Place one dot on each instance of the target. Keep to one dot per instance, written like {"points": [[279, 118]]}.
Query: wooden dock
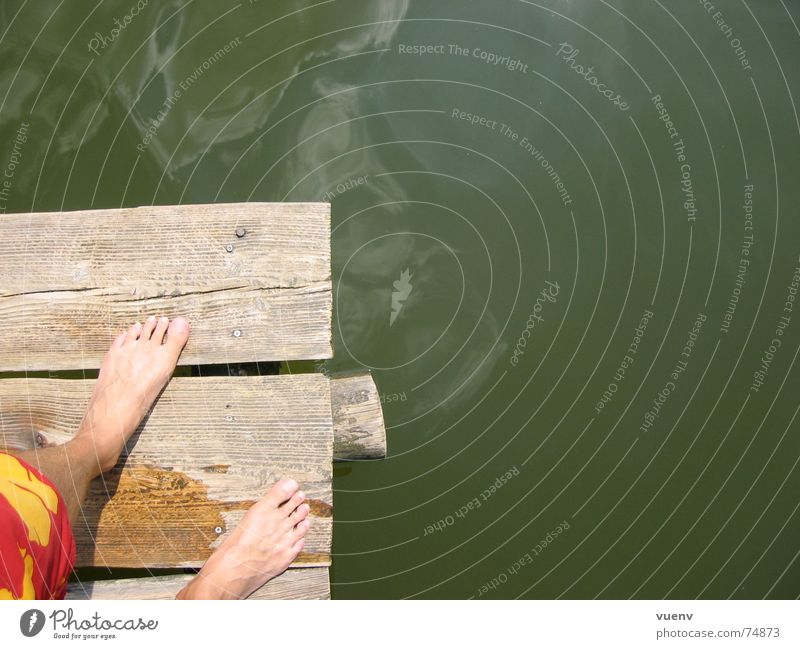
{"points": [[254, 281]]}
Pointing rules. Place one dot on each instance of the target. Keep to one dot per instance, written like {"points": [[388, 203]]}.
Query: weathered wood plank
{"points": [[358, 428], [295, 583], [210, 447], [70, 281]]}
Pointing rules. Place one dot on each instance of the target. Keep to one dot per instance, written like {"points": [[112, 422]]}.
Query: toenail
{"points": [[291, 484], [301, 495], [150, 318]]}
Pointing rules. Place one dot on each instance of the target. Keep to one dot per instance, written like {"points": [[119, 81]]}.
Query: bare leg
{"points": [[133, 373], [70, 467]]}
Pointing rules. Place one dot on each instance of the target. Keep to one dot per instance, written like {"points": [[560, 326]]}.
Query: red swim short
{"points": [[37, 549]]}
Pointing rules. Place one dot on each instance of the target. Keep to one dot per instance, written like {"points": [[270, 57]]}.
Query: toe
{"points": [[299, 514], [293, 503], [160, 330], [295, 517], [280, 492], [299, 531], [119, 340], [177, 335], [297, 547], [147, 328], [133, 332]]}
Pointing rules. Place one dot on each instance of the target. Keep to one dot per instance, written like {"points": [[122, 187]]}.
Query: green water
{"points": [[653, 198]]}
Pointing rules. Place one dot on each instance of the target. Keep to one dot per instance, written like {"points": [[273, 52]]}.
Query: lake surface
{"points": [[566, 240]]}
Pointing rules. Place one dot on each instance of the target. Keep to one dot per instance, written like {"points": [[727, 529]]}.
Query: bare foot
{"points": [[268, 539], [133, 373]]}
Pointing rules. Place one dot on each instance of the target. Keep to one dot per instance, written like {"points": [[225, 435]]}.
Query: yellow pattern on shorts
{"points": [[33, 500], [28, 589]]}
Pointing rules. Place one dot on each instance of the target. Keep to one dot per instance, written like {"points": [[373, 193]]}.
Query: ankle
{"points": [[81, 452], [202, 587], [217, 579]]}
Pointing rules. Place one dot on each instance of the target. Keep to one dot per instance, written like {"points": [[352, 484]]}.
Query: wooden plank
{"points": [[295, 583], [70, 281], [358, 429], [209, 449]]}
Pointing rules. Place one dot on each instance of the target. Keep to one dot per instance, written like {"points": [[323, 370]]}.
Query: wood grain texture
{"points": [[70, 281], [295, 583], [210, 448], [358, 429]]}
